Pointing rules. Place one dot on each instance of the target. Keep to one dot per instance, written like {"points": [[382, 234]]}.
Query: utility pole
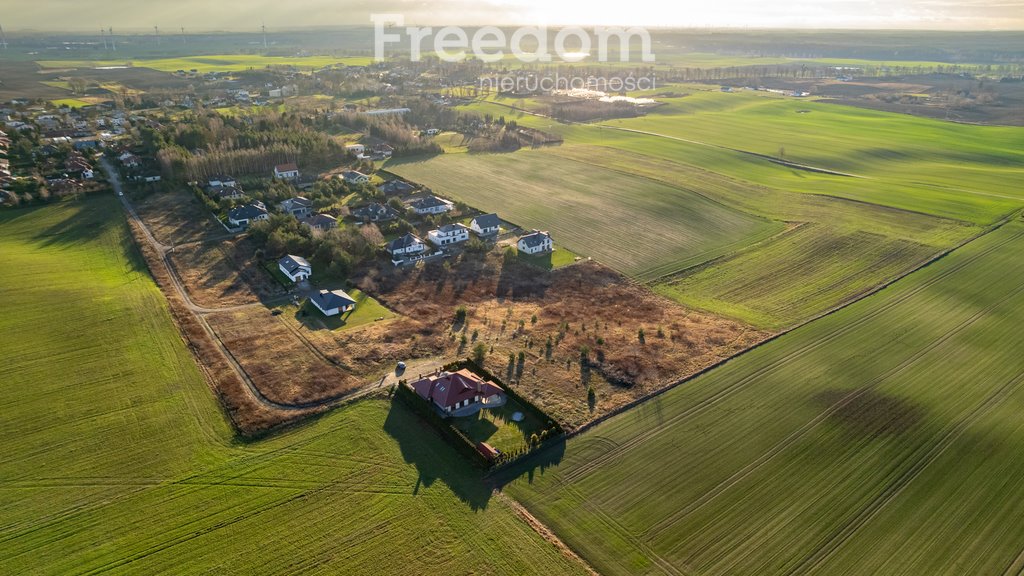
{"points": [[156, 32], [113, 45], [104, 38], [183, 35], [264, 27]]}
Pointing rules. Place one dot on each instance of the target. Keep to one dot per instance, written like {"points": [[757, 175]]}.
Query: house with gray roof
{"points": [[396, 188], [406, 245], [535, 243], [374, 212], [244, 216], [298, 206], [486, 225], [296, 268], [430, 205], [333, 302]]}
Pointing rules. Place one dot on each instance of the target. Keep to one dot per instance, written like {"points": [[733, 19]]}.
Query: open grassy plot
{"points": [[497, 427], [800, 274], [70, 102], [882, 439], [117, 458], [953, 170], [549, 261], [640, 227], [367, 310], [214, 63]]}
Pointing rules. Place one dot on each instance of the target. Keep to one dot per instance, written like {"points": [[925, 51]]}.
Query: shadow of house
{"points": [[527, 467], [434, 459]]}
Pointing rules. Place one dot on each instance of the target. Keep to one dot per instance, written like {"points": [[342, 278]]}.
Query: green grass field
{"points": [[70, 102], [883, 439], [216, 63], [118, 459], [924, 186], [641, 227]]}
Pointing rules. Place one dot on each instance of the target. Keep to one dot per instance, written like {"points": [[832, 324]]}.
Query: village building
{"points": [[286, 171], [535, 243], [396, 188], [243, 216], [321, 222], [296, 268], [406, 245], [354, 177], [333, 302], [430, 205], [374, 212], [448, 234], [298, 206], [486, 225], [452, 391]]}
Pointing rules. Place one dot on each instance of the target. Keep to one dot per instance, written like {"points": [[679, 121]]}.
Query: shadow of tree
{"points": [[422, 447]]}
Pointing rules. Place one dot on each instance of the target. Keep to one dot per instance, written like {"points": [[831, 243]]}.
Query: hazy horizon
{"points": [[195, 15]]}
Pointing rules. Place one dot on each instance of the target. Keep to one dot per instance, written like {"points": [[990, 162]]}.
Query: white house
{"points": [[221, 182], [356, 150], [355, 177], [430, 205], [406, 245], [535, 243], [333, 302], [449, 234], [296, 268], [246, 215], [286, 171], [298, 206], [486, 225]]}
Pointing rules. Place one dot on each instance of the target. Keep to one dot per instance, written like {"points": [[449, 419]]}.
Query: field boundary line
{"points": [[813, 423], [835, 309]]}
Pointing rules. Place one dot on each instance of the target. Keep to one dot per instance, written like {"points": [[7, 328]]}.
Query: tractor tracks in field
{"points": [[743, 383], [815, 422], [916, 465]]}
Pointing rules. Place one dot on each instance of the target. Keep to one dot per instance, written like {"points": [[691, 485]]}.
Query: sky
{"points": [[242, 15]]}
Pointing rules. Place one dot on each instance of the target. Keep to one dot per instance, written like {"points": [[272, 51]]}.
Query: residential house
{"points": [[449, 234], [354, 177], [486, 225], [246, 215], [221, 181], [396, 188], [406, 245], [227, 193], [450, 391], [430, 205], [129, 160], [333, 302], [296, 268], [298, 206], [357, 150], [321, 222], [77, 164], [286, 171], [383, 150], [535, 243], [375, 212]]}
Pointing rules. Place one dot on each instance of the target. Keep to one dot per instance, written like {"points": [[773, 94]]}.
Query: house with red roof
{"points": [[450, 391]]}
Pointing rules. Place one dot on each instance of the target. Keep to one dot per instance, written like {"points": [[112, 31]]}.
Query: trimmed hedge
{"points": [[552, 431]]}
